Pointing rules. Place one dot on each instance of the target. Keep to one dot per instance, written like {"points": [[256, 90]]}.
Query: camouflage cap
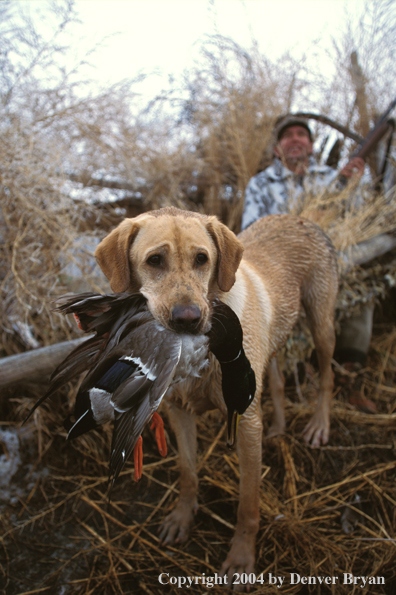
{"points": [[285, 122]]}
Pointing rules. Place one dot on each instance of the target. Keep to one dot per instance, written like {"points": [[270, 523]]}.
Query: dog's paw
{"points": [[317, 430], [175, 528], [240, 561]]}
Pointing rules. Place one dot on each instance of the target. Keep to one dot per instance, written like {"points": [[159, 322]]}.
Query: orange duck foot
{"points": [[158, 424], [138, 459]]}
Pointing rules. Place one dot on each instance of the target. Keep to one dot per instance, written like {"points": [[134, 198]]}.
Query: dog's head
{"points": [[177, 259]]}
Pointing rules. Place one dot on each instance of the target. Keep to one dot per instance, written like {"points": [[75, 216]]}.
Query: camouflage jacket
{"points": [[278, 190]]}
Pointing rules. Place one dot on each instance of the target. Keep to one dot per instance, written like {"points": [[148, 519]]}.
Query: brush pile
{"points": [[324, 512], [69, 171]]}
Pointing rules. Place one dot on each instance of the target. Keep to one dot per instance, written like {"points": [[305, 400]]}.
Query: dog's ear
{"points": [[112, 255], [229, 253]]}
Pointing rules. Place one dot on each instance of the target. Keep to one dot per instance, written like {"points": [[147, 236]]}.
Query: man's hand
{"points": [[354, 168]]}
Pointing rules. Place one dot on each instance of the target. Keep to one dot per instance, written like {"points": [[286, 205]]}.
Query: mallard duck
{"points": [[132, 361]]}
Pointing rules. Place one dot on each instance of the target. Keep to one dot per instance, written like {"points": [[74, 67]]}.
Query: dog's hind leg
{"points": [[176, 525], [277, 389], [320, 316]]}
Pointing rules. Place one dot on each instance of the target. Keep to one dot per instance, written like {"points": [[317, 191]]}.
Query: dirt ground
{"points": [[61, 535]]}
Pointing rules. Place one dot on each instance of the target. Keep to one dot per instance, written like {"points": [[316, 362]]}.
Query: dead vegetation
{"points": [[70, 534], [70, 169]]}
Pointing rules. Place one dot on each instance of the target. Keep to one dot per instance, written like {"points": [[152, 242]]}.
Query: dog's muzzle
{"points": [[186, 319]]}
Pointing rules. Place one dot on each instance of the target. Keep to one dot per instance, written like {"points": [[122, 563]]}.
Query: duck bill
{"points": [[233, 420]]}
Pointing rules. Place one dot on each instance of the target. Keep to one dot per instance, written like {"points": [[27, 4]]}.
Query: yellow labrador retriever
{"points": [[180, 261]]}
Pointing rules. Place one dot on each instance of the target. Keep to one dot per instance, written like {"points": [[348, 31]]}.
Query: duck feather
{"points": [[132, 361]]}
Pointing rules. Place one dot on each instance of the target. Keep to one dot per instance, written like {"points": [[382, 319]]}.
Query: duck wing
{"points": [[109, 317], [112, 369], [98, 313], [77, 362], [128, 382], [157, 364]]}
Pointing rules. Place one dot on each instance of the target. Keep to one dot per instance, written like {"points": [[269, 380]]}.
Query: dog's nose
{"points": [[186, 318]]}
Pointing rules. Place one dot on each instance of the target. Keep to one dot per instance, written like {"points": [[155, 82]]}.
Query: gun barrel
{"points": [[371, 140]]}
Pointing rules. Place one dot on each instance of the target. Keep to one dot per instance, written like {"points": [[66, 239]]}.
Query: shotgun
{"points": [[373, 137]]}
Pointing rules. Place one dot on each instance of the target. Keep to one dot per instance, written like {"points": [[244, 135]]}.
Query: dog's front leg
{"points": [[241, 556], [176, 525]]}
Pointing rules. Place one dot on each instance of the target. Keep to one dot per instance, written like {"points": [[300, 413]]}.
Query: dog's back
{"points": [[298, 262]]}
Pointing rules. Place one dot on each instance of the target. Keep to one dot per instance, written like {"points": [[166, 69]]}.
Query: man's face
{"points": [[294, 144]]}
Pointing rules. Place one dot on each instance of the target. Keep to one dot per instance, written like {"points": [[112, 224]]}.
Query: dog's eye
{"points": [[155, 260], [201, 259]]}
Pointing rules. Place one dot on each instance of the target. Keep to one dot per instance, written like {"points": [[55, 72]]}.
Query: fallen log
{"points": [[365, 251], [36, 366]]}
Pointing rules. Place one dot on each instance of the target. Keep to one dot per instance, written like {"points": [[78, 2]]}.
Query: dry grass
{"points": [[59, 533], [72, 536], [348, 224], [194, 147], [60, 519]]}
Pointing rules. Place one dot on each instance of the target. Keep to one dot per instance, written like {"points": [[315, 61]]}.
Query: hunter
{"points": [[281, 188]]}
